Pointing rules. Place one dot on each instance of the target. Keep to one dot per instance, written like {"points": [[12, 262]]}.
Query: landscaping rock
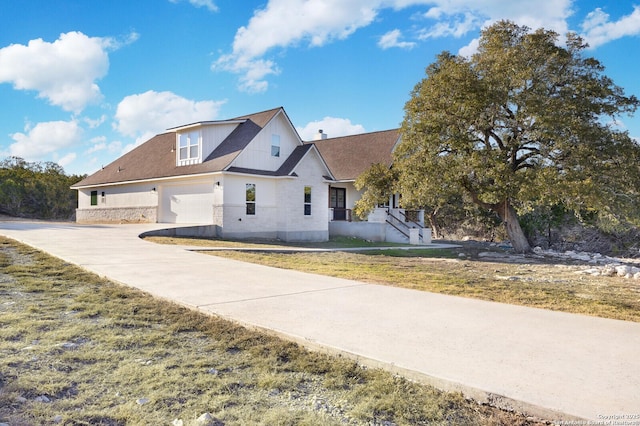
{"points": [[207, 419], [605, 266]]}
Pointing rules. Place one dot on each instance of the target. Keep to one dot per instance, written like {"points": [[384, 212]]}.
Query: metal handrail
{"points": [[397, 228], [398, 220], [420, 227], [347, 214]]}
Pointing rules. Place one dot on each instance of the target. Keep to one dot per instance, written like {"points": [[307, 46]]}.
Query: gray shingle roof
{"points": [[349, 156], [346, 157], [156, 158]]}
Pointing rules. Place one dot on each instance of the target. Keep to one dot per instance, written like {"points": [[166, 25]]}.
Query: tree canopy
{"points": [[36, 190], [524, 122]]}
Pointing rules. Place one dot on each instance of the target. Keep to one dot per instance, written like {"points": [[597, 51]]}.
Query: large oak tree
{"points": [[525, 121]]}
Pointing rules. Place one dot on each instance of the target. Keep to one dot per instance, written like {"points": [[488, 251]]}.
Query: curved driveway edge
{"points": [[550, 364]]}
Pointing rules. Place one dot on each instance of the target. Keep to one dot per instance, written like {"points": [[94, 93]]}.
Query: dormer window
{"points": [[189, 146]]}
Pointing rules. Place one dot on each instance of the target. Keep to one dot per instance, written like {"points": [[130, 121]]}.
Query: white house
{"points": [[247, 177]]}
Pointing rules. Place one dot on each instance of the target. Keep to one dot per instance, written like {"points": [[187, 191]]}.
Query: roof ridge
{"points": [[246, 116], [354, 135]]}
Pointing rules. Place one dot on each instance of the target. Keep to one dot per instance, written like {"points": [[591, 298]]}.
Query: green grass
{"points": [[334, 243], [105, 354]]}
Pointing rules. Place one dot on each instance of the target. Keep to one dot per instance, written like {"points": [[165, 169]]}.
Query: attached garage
{"points": [[188, 202]]}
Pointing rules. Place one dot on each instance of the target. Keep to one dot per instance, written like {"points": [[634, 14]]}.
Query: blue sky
{"points": [[82, 82]]}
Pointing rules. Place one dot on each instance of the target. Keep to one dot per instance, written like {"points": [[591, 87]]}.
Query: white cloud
{"points": [[209, 4], [392, 39], [67, 159], [93, 123], [286, 23], [45, 138], [144, 115], [283, 23], [598, 29], [457, 27], [458, 18], [63, 72], [99, 143], [100, 146], [333, 127], [471, 48]]}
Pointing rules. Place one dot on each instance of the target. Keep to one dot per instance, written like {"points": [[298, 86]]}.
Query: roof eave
{"points": [[156, 179], [203, 124]]}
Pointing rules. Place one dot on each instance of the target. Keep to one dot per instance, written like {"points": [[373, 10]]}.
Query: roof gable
{"points": [[260, 118], [349, 156]]}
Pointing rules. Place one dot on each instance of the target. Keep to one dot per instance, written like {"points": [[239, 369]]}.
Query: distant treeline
{"points": [[36, 190]]}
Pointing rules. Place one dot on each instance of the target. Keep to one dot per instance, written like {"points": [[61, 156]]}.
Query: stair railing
{"points": [[398, 224], [417, 225]]}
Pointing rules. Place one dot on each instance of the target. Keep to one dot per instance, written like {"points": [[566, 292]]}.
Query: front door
{"points": [[338, 202]]}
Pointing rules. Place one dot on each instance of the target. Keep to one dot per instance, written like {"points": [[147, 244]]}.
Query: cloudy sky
{"points": [[82, 82]]}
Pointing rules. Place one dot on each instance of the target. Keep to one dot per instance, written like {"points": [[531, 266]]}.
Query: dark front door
{"points": [[338, 202]]}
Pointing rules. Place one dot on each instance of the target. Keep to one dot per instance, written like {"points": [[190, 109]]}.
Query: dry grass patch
{"points": [[79, 350]]}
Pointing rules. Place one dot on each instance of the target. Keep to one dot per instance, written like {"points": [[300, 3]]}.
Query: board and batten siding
{"points": [[258, 154], [213, 135]]}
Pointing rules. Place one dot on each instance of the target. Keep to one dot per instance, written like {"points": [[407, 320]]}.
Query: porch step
{"points": [[395, 236]]}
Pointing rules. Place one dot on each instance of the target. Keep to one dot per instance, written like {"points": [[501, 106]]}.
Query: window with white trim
{"points": [[250, 196], [189, 145], [275, 145], [307, 201]]}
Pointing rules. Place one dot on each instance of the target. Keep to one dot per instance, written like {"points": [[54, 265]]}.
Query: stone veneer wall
{"points": [[118, 215]]}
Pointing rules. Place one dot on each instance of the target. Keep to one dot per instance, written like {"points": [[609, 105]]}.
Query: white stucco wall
{"points": [[132, 195], [119, 204], [292, 222], [279, 205], [235, 222]]}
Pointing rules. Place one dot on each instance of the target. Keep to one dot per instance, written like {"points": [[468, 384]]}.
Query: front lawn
{"points": [[76, 349]]}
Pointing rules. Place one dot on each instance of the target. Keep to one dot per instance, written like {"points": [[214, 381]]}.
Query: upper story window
{"points": [[189, 145], [275, 145], [250, 196]]}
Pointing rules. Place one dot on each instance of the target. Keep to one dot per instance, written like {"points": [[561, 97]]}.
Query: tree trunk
{"points": [[434, 224], [509, 216]]}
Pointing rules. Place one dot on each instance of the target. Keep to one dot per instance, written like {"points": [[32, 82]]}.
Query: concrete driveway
{"points": [[550, 364]]}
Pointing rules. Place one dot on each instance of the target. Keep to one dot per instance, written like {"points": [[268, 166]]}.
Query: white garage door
{"points": [[191, 203]]}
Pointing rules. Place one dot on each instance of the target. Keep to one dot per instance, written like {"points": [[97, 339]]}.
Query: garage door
{"points": [[191, 203]]}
